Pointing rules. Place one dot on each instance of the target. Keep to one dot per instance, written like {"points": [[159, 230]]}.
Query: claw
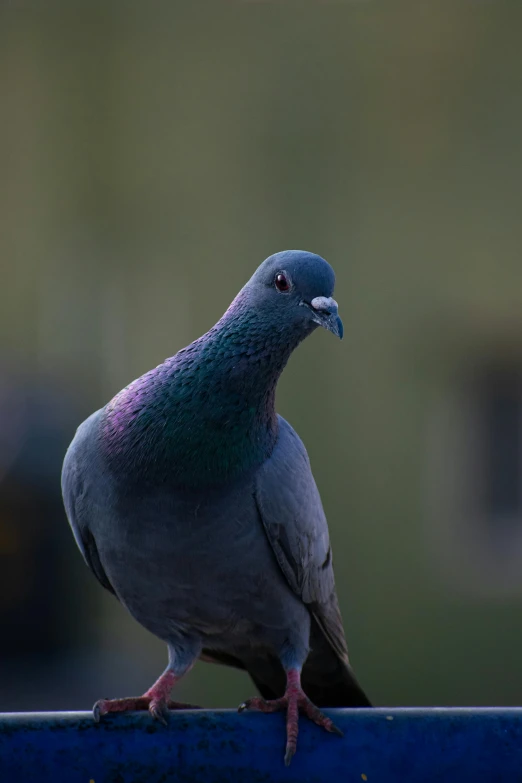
{"points": [[98, 710], [159, 711]]}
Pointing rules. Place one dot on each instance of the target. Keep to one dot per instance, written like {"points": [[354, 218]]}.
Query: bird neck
{"points": [[207, 415]]}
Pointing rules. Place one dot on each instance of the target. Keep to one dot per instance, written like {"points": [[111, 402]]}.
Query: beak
{"points": [[325, 314]]}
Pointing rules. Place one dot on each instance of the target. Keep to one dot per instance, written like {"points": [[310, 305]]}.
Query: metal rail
{"points": [[379, 745]]}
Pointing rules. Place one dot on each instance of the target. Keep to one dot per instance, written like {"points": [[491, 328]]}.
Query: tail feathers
{"points": [[335, 688], [326, 679], [344, 691], [340, 691]]}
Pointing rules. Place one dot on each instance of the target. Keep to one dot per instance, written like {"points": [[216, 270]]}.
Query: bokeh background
{"points": [[151, 156]]}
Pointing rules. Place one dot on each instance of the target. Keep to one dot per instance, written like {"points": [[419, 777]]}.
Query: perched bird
{"points": [[194, 503]]}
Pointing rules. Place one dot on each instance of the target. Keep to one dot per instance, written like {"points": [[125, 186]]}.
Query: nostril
{"points": [[324, 304]]}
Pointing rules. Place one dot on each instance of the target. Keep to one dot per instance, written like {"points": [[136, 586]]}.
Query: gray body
{"points": [[195, 546]]}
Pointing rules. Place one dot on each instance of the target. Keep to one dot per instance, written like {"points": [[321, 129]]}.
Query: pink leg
{"points": [[155, 700], [294, 701]]}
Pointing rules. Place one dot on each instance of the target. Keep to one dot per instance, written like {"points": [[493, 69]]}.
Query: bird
{"points": [[194, 503]]}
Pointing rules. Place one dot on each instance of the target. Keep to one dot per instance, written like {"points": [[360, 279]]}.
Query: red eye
{"points": [[282, 283]]}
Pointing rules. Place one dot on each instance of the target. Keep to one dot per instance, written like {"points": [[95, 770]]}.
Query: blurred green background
{"points": [[151, 156]]}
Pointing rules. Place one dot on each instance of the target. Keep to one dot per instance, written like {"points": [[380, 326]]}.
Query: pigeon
{"points": [[193, 502]]}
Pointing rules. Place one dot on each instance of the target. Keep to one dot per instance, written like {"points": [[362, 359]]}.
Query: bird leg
{"points": [[294, 701], [155, 700]]}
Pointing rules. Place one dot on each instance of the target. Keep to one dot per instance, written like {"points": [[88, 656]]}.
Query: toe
{"points": [[290, 752], [318, 717], [252, 704], [274, 705], [99, 709], [158, 710]]}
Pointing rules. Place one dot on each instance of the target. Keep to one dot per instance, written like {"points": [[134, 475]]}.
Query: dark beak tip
{"points": [[334, 325]]}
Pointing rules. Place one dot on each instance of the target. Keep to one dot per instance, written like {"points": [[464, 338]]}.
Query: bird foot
{"points": [[158, 707], [156, 701], [293, 702]]}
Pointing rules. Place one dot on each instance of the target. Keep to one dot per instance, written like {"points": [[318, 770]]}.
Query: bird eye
{"points": [[282, 283]]}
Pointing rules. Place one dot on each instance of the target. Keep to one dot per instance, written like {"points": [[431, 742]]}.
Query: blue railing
{"points": [[379, 745]]}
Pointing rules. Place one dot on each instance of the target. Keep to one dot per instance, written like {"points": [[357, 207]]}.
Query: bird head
{"points": [[295, 287]]}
